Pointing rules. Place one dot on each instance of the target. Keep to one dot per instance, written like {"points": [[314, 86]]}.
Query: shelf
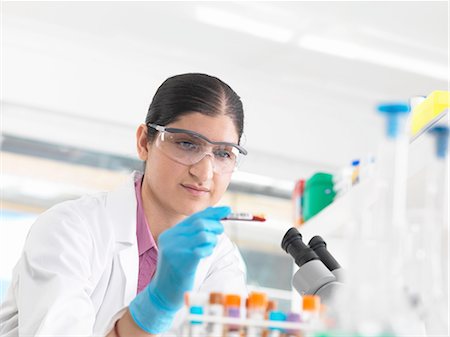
{"points": [[332, 220], [250, 322]]}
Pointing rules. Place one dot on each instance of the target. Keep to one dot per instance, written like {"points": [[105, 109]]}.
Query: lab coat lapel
{"points": [[121, 205]]}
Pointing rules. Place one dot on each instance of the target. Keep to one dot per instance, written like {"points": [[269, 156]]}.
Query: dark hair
{"points": [[193, 92]]}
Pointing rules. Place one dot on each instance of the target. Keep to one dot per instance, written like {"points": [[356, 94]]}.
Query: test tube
{"points": [[272, 305], [311, 309], [233, 309], [216, 308], [293, 317], [196, 328], [256, 310], [276, 316]]}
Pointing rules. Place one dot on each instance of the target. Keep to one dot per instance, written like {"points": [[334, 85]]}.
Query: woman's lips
{"points": [[195, 190]]}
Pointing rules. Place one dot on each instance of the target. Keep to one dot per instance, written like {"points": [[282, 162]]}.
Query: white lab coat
{"points": [[79, 269]]}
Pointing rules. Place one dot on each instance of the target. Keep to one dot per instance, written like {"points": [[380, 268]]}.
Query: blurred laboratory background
{"points": [[77, 79]]}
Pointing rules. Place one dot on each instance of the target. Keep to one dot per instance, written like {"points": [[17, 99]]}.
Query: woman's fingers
{"points": [[202, 225], [211, 213]]}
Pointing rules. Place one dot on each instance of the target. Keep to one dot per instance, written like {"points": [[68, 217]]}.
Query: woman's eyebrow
{"points": [[194, 133]]}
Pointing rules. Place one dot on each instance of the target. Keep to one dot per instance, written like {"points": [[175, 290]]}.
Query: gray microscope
{"points": [[319, 273]]}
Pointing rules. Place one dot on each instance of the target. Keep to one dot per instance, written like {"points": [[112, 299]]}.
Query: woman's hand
{"points": [[180, 250]]}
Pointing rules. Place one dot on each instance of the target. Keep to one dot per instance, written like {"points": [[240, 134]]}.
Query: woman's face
{"points": [[182, 189]]}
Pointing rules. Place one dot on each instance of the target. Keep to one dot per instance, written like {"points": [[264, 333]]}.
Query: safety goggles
{"points": [[188, 148]]}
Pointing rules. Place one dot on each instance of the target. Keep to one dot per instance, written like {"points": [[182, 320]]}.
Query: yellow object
{"points": [[428, 110]]}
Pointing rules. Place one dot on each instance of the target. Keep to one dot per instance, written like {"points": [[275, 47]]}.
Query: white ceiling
{"points": [[83, 73]]}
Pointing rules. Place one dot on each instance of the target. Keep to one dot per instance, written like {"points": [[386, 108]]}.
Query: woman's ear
{"points": [[142, 142]]}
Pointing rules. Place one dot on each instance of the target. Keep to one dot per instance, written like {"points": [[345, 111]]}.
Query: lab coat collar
{"points": [[121, 205]]}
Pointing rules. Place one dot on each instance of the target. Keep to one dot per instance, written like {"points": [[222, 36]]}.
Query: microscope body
{"points": [[319, 273], [313, 278]]}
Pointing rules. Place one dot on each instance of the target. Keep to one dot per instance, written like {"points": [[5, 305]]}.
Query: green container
{"points": [[318, 194]]}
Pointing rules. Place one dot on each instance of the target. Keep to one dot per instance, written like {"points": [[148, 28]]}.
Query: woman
{"points": [[88, 265]]}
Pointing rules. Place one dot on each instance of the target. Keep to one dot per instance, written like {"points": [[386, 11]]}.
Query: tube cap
{"points": [[196, 310], [393, 111], [256, 299], [277, 316], [232, 300], [394, 107], [216, 298], [311, 303]]}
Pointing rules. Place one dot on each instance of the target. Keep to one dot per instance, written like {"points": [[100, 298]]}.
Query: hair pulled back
{"points": [[194, 92]]}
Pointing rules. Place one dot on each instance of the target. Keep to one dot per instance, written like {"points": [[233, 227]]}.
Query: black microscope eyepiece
{"points": [[320, 248], [293, 244]]}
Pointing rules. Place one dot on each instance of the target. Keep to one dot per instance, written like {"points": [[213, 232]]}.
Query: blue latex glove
{"points": [[180, 250]]}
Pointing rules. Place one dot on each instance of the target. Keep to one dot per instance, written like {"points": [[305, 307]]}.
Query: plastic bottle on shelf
{"points": [[276, 316], [391, 230], [431, 248], [374, 301], [367, 168], [355, 171], [233, 309], [359, 170], [256, 310], [342, 181], [297, 200], [216, 309], [319, 193]]}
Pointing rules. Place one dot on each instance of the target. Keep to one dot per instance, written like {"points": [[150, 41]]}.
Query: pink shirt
{"points": [[148, 251]]}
